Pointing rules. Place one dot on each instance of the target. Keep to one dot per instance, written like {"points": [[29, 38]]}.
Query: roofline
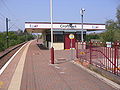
{"points": [[64, 29], [63, 23]]}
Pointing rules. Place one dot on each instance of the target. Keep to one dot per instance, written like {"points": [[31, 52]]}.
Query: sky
{"points": [[21, 11]]}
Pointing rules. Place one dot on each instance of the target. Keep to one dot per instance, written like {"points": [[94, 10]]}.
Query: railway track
{"points": [[4, 57]]}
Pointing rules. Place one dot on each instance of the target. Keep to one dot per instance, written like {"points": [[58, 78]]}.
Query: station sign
{"points": [[71, 36], [65, 26]]}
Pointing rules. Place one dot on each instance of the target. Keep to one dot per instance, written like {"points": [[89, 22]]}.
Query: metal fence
{"points": [[103, 55]]}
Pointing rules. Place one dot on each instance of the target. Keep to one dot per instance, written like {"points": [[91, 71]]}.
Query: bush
{"points": [[92, 36], [14, 38]]}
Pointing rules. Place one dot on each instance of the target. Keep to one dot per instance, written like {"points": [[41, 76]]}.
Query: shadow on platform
{"points": [[42, 47]]}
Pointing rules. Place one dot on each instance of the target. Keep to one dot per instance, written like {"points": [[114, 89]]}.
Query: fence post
{"points": [[115, 56], [77, 49], [90, 52]]}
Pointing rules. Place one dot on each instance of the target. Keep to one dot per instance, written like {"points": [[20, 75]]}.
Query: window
{"points": [[48, 37], [58, 38]]}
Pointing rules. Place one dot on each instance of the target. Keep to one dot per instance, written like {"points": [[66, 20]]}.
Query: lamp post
{"points": [[82, 12], [51, 15]]}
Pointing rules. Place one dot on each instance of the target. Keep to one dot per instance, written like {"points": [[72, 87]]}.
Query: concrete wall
{"points": [[44, 39], [45, 43], [57, 46]]}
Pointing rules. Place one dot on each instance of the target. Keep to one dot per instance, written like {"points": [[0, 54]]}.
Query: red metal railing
{"points": [[100, 55]]}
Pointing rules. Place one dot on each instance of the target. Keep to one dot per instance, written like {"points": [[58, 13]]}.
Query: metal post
{"points": [[90, 52], [82, 29], [115, 57], [71, 50], [51, 15], [82, 12], [71, 43], [77, 49], [7, 32]]}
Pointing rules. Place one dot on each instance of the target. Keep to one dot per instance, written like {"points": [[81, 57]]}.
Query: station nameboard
{"points": [[65, 26]]}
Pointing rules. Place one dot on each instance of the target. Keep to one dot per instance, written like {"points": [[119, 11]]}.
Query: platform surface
{"points": [[31, 70]]}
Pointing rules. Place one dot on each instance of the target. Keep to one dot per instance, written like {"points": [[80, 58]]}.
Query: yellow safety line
{"points": [[16, 79]]}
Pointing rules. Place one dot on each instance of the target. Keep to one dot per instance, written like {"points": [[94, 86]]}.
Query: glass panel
{"points": [[58, 38]]}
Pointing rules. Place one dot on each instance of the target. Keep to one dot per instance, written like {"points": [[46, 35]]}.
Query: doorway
{"points": [[67, 42]]}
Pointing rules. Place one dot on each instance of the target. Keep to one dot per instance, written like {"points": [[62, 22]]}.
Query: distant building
{"points": [[61, 32]]}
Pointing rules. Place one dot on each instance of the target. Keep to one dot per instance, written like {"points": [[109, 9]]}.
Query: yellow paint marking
{"points": [[113, 68], [67, 49], [1, 84], [16, 79], [82, 53]]}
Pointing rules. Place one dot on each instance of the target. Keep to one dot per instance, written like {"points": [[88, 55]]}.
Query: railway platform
{"points": [[30, 69]]}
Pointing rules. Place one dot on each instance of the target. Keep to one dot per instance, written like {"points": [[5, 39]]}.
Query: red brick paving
{"points": [[38, 74]]}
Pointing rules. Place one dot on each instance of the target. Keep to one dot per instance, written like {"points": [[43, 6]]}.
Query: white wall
{"points": [[57, 46]]}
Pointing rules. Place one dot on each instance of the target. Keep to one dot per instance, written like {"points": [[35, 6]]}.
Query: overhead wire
{"points": [[17, 26], [4, 10], [14, 25], [1, 18], [2, 15], [5, 4], [9, 10]]}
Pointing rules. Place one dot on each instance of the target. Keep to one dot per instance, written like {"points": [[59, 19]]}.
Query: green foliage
{"points": [[118, 15], [113, 29], [112, 33], [92, 36], [2, 47], [2, 41], [14, 38], [108, 36]]}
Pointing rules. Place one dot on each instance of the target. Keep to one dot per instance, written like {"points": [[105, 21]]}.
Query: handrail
{"points": [[107, 58]]}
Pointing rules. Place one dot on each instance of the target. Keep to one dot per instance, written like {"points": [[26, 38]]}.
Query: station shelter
{"points": [[61, 32]]}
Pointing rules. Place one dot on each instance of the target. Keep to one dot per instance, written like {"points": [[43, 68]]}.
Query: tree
{"points": [[92, 36], [113, 29], [15, 37], [112, 33], [107, 36], [2, 41], [118, 15]]}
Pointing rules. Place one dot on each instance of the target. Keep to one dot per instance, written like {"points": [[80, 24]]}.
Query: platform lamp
{"points": [[51, 16], [82, 13]]}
